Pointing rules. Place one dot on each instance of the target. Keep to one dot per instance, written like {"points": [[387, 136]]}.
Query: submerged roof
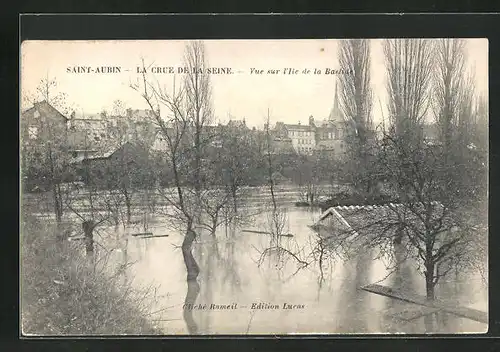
{"points": [[370, 220]]}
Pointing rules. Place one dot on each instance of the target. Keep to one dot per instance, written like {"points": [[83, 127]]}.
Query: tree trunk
{"points": [[57, 203], [191, 266], [429, 281], [88, 230], [128, 205], [233, 191]]}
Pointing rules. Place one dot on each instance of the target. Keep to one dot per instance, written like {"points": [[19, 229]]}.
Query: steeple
{"points": [[335, 113]]}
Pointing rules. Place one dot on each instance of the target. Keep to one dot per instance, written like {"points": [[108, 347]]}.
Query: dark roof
{"points": [[106, 154], [369, 220], [44, 108]]}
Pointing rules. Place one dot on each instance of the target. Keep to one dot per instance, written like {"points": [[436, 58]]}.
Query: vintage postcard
{"points": [[254, 187]]}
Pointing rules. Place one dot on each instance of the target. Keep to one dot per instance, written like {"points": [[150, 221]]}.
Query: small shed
{"points": [[127, 162]]}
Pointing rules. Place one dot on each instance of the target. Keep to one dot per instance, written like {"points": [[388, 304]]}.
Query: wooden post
{"points": [[88, 230]]}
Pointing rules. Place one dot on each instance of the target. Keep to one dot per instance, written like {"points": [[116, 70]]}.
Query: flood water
{"points": [[232, 272]]}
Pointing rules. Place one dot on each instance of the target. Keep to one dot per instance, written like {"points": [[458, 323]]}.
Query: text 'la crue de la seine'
{"points": [[151, 69], [288, 71]]}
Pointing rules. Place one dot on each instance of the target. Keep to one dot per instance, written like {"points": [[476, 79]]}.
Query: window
{"points": [[36, 114], [33, 132]]}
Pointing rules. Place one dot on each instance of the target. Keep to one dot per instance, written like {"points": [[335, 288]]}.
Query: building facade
{"points": [[43, 123], [326, 136]]}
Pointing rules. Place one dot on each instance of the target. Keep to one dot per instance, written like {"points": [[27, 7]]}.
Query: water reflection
{"points": [[402, 277], [353, 301], [191, 296], [229, 273]]}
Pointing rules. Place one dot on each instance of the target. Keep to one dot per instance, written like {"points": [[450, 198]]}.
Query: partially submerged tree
{"points": [[438, 229], [430, 224], [183, 121], [282, 247], [409, 66]]}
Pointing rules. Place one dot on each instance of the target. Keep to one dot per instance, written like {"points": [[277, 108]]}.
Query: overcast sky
{"points": [[290, 98]]}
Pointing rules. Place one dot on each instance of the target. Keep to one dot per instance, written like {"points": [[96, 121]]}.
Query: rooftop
{"points": [[370, 220]]}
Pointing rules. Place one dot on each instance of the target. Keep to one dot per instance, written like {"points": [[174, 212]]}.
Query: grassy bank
{"points": [[63, 292]]}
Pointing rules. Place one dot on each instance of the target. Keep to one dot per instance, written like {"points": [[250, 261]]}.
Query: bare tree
{"points": [[439, 234], [439, 230], [356, 100], [174, 130], [448, 84], [198, 94], [409, 64], [44, 145], [235, 157], [269, 160], [183, 126], [453, 104], [457, 119], [277, 217]]}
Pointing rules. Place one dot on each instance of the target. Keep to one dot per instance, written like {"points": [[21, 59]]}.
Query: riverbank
{"points": [[65, 293]]}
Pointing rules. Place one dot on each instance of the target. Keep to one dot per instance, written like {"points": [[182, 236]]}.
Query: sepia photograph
{"points": [[253, 187]]}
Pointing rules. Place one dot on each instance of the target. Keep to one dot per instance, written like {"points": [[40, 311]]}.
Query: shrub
{"points": [[63, 293]]}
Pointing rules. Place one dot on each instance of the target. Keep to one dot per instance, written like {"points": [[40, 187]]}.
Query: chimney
{"points": [[311, 120]]}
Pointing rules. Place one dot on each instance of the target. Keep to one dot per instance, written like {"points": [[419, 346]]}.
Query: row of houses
{"points": [[95, 136]]}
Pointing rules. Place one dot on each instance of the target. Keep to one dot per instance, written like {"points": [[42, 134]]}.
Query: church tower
{"points": [[335, 116]]}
